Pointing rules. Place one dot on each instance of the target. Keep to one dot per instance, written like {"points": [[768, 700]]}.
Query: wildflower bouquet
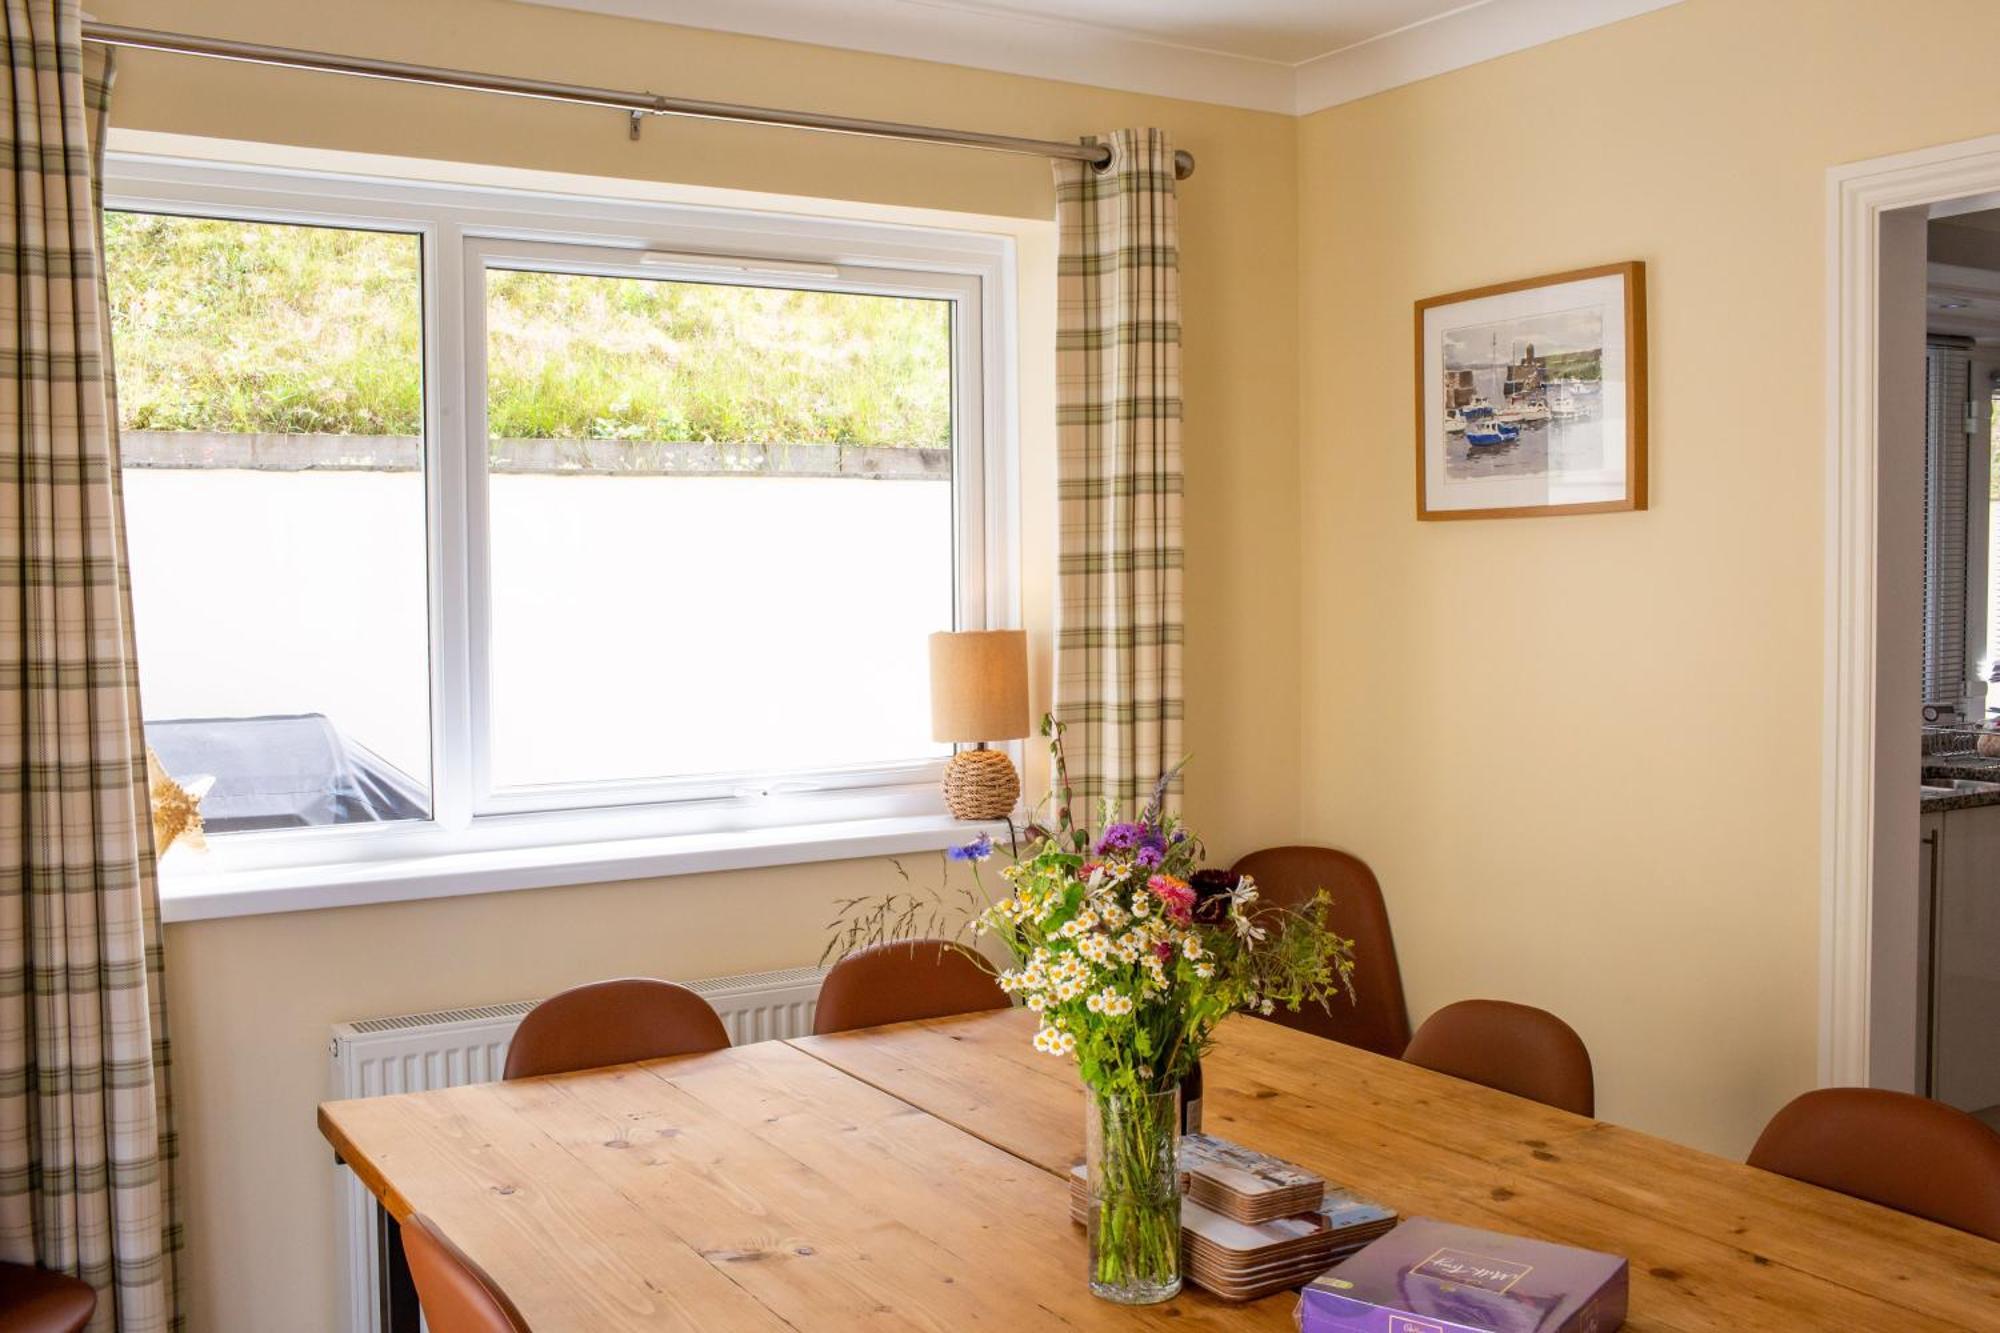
{"points": [[1131, 953]]}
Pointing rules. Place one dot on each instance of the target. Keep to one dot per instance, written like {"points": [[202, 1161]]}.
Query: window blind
{"points": [[1947, 379]]}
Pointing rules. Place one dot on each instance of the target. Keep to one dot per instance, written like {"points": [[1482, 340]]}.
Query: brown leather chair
{"points": [[34, 1300], [1378, 1020], [903, 981], [1512, 1047], [613, 1023], [1916, 1156], [456, 1294]]}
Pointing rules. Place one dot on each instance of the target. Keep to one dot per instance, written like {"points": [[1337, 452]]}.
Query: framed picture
{"points": [[1531, 397]]}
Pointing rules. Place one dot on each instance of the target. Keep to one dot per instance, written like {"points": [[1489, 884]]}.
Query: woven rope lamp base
{"points": [[981, 784]]}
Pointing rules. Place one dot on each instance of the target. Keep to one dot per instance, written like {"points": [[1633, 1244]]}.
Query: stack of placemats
{"points": [[1274, 1250], [1244, 1184]]}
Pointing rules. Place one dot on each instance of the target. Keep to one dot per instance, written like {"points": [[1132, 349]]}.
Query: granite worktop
{"points": [[1976, 768]]}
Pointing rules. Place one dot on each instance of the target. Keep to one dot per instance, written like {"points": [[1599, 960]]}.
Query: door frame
{"points": [[1869, 823]]}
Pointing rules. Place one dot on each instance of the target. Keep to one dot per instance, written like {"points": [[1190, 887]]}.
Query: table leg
{"points": [[397, 1297]]}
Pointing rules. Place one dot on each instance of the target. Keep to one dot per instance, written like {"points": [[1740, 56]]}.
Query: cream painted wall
{"points": [[1583, 753], [252, 998]]}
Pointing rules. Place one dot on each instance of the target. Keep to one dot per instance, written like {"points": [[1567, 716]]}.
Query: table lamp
{"points": [[979, 693]]}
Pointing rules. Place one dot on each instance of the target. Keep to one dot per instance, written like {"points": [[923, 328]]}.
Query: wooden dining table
{"points": [[916, 1176]]}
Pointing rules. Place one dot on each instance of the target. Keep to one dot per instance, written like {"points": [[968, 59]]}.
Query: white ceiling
{"points": [[1289, 32], [1294, 56]]}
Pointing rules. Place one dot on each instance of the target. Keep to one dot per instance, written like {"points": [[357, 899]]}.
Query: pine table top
{"points": [[917, 1176]]}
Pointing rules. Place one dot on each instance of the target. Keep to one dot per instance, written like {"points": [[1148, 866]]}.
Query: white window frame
{"points": [[478, 840]]}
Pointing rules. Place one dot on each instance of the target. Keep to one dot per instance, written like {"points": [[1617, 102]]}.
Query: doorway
{"points": [[1876, 1009]]}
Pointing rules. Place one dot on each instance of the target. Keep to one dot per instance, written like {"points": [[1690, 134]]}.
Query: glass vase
{"points": [[1132, 1152]]}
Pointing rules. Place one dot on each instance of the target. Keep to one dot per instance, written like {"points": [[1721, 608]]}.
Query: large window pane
{"points": [[720, 526], [270, 394]]}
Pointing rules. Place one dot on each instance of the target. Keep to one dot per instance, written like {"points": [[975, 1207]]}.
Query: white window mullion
{"points": [[452, 643], [968, 477], [476, 604]]}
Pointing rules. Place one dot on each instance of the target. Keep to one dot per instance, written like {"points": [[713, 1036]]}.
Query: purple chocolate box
{"points": [[1433, 1277]]}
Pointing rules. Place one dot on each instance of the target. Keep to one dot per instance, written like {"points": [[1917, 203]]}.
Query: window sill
{"points": [[192, 892]]}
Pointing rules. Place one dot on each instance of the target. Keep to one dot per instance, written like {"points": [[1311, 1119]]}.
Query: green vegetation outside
{"points": [[1574, 365], [269, 328]]}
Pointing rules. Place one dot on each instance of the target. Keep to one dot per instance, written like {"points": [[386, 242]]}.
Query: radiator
{"points": [[413, 1052]]}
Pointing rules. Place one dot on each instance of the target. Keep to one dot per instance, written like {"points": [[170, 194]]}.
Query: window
{"points": [[270, 394], [1959, 550], [1990, 503], [474, 521], [703, 498]]}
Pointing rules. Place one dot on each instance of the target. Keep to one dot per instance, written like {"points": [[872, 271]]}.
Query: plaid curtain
{"points": [[86, 1143], [1118, 471]]}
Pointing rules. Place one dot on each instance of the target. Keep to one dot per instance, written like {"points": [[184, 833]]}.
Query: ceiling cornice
{"points": [[1481, 31], [1103, 57]]}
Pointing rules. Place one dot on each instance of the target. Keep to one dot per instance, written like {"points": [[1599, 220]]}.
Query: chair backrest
{"points": [[612, 1023], [902, 981], [456, 1294], [1513, 1047], [1903, 1152], [34, 1300], [1378, 1020]]}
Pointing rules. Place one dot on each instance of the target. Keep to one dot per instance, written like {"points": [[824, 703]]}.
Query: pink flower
{"points": [[1174, 895]]}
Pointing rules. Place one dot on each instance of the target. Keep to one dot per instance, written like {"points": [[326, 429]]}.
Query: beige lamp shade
{"points": [[979, 685]]}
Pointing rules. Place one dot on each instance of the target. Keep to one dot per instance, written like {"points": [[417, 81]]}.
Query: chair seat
{"points": [[35, 1301]]}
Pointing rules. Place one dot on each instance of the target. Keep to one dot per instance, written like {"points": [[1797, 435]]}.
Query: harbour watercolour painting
{"points": [[1531, 397]]}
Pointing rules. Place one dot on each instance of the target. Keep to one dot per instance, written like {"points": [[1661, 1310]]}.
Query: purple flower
{"points": [[978, 849], [1150, 855], [1121, 837]]}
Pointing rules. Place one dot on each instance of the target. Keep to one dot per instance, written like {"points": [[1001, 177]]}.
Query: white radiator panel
{"points": [[449, 1047]]}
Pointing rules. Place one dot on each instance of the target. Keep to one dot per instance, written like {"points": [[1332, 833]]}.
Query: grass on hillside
{"points": [[253, 327]]}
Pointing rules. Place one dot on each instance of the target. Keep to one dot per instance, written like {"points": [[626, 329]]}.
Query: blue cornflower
{"points": [[978, 849]]}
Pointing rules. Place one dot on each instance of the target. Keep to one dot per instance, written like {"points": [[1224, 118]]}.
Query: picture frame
{"points": [[1531, 397]]}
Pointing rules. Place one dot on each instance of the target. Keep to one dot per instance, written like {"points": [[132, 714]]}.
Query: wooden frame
{"points": [[1633, 287]]}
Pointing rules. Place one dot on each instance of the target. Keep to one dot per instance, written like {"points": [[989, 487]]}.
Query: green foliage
{"points": [[227, 326], [691, 361], [242, 327]]}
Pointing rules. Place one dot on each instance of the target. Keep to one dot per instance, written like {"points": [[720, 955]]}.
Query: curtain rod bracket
{"points": [[636, 121]]}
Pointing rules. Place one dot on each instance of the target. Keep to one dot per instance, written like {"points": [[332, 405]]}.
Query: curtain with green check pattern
{"points": [[1118, 472], [86, 1139]]}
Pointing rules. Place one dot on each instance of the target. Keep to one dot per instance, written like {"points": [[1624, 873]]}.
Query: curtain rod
{"points": [[636, 104]]}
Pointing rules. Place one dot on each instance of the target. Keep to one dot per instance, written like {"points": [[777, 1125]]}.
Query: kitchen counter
{"points": [[1972, 766], [1958, 800]]}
